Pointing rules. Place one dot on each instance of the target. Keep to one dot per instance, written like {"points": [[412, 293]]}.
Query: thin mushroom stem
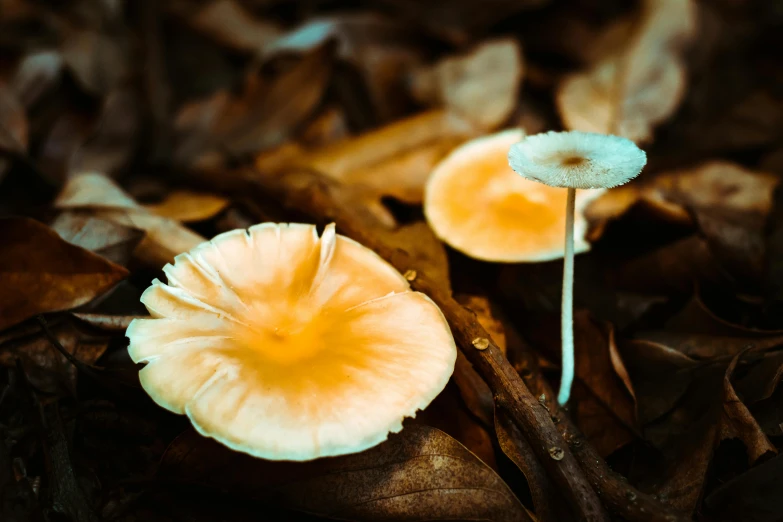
{"points": [[567, 311]]}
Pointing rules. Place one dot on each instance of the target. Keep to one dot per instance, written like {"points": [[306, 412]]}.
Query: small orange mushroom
{"points": [[287, 346], [477, 204]]}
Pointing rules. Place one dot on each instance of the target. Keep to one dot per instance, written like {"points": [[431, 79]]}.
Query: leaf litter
{"points": [[129, 133]]}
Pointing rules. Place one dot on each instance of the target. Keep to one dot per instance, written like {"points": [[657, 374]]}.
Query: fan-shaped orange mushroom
{"points": [[287, 346], [477, 204]]}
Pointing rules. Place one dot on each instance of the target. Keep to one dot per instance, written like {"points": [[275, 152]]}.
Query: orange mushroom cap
{"points": [[477, 204], [287, 346]]}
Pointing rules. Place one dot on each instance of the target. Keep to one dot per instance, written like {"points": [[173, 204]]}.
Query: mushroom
{"points": [[475, 203], [287, 346], [574, 160]]}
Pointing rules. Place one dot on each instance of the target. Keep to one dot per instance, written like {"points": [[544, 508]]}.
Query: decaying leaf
{"points": [[698, 333], [41, 273], [604, 402], [458, 21], [114, 140], [751, 497], [13, 126], [481, 86], [394, 160], [113, 241], [97, 59], [419, 474], [47, 369], [36, 74], [379, 48], [105, 200], [695, 429], [262, 117], [727, 203], [229, 23], [187, 206], [629, 93]]}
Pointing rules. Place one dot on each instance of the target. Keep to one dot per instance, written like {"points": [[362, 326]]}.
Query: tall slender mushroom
{"points": [[574, 160]]}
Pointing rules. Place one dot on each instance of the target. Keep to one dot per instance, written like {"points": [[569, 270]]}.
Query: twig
{"points": [[518, 449], [619, 496], [319, 199]]}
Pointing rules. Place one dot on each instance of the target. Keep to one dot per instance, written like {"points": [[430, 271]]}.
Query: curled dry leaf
{"points": [[13, 126], [420, 473], [230, 24], [698, 333], [108, 323], [36, 74], [47, 369], [481, 86], [394, 160], [41, 273], [695, 428], [753, 496], [381, 49], [604, 403], [449, 414], [262, 117], [113, 241], [727, 202], [97, 59], [458, 21], [114, 140], [187, 206], [105, 200], [632, 91]]}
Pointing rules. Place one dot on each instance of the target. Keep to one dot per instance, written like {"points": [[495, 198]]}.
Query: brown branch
{"points": [[324, 201], [618, 496], [546, 500]]}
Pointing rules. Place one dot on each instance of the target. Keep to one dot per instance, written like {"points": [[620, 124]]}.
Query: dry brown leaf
{"points": [[720, 185], [98, 194], [394, 160], [482, 307], [382, 50], [698, 333], [457, 22], [262, 117], [187, 206], [13, 126], [449, 414], [42, 273], [425, 251], [481, 86], [115, 138], [47, 369], [98, 60], [701, 424], [108, 239], [13, 122], [230, 24], [37, 73], [108, 323], [631, 92], [604, 401], [419, 474], [750, 497]]}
